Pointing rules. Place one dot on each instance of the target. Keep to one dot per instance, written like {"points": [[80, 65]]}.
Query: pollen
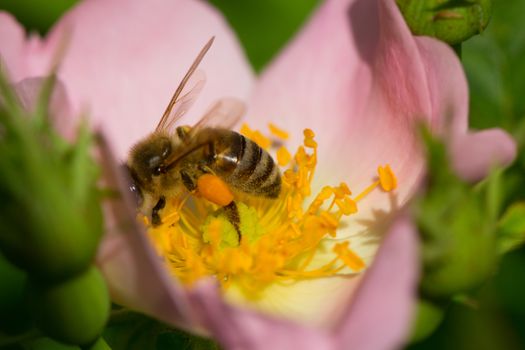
{"points": [[215, 190], [272, 241]]}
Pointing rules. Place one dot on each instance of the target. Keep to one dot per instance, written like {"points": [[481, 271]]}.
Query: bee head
{"points": [[147, 159]]}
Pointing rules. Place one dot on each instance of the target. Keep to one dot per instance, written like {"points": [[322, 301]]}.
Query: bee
{"points": [[170, 161]]}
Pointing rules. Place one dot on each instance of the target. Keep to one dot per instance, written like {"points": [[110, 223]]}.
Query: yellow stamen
{"points": [[283, 156], [275, 241], [387, 178], [352, 260], [280, 133], [256, 136]]}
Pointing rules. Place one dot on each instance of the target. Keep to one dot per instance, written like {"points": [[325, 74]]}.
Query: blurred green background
{"points": [[494, 64]]}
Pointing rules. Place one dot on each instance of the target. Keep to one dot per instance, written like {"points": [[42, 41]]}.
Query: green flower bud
{"points": [[74, 311], [457, 224], [14, 315], [50, 213], [452, 21], [48, 344], [51, 238], [429, 316]]}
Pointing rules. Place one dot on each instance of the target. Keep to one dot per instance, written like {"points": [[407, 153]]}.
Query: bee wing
{"points": [[185, 101], [224, 114], [182, 103]]}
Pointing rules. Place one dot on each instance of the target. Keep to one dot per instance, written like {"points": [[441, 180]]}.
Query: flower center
{"points": [[276, 240]]}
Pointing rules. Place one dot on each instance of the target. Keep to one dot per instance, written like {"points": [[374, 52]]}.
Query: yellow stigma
{"points": [[276, 240]]}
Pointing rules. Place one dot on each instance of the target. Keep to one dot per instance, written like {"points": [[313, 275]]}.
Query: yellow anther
{"points": [[387, 179], [290, 176], [246, 130], [308, 133], [301, 158], [351, 259], [280, 133], [325, 193], [347, 205], [329, 219], [311, 143], [261, 140], [344, 187], [283, 156], [214, 189]]}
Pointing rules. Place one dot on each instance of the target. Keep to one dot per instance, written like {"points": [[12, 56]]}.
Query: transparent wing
{"points": [[224, 114], [185, 101], [172, 114]]}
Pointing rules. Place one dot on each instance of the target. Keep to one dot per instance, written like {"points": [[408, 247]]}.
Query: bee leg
{"points": [[205, 169], [188, 180], [155, 217], [190, 174], [232, 213]]}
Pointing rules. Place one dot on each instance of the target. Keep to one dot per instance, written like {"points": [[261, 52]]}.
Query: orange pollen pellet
{"points": [[214, 189]]}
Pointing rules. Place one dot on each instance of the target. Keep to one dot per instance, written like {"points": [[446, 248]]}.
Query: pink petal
{"points": [[28, 90], [383, 303], [447, 85], [125, 59], [11, 50], [354, 75], [136, 276], [236, 328], [475, 154], [380, 314]]}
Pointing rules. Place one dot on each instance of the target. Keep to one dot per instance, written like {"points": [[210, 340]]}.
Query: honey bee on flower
{"points": [[217, 205], [208, 158]]}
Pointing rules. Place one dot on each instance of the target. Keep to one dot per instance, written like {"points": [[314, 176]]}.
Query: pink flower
{"points": [[354, 74]]}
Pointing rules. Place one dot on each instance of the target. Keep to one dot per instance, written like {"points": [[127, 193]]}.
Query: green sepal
{"points": [[511, 228], [457, 225], [452, 21], [429, 315], [51, 216], [74, 311]]}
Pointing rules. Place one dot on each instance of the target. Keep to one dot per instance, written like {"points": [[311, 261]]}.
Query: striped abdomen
{"points": [[245, 166]]}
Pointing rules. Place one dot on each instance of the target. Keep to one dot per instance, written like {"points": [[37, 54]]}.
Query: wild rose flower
{"points": [[354, 74]]}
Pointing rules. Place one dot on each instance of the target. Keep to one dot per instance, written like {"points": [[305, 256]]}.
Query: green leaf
{"points": [[495, 69], [37, 15], [511, 228], [264, 26]]}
